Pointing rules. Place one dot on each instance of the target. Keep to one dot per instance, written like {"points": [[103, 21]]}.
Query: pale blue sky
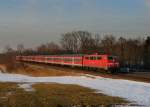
{"points": [[32, 22]]}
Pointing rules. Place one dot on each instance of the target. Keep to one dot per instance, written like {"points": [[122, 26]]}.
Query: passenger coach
{"points": [[106, 62]]}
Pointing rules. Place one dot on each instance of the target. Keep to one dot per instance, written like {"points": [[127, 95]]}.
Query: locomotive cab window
{"points": [[110, 58], [93, 58]]}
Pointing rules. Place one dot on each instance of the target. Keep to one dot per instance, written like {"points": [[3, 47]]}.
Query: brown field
{"points": [[54, 95], [37, 71]]}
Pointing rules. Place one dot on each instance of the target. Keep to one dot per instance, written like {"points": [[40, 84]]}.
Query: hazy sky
{"points": [[32, 22]]}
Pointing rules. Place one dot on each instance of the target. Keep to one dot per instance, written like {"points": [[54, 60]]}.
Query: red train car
{"points": [[106, 62]]}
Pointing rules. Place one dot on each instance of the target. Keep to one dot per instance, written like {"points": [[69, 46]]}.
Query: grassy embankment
{"points": [[54, 95], [37, 70]]}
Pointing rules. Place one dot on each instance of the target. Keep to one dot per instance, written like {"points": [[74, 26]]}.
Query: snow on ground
{"points": [[131, 90], [26, 86]]}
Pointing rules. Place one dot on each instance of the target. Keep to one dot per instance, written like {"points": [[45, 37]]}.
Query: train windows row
{"points": [[65, 59], [93, 58]]}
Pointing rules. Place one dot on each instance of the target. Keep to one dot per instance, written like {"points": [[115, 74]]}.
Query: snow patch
{"points": [[131, 90], [26, 86]]}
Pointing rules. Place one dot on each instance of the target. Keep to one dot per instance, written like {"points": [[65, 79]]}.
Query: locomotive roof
{"points": [[71, 54]]}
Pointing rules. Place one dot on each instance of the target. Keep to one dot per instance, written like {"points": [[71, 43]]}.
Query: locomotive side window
{"points": [[93, 58], [99, 58]]}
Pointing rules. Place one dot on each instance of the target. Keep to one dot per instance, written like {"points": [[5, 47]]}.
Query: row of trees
{"points": [[130, 52]]}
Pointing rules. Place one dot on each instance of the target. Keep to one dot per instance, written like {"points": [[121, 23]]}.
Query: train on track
{"points": [[98, 61]]}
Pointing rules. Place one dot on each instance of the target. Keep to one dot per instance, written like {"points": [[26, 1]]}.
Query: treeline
{"points": [[130, 52]]}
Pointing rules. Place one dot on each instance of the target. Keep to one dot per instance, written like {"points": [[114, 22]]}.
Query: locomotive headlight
{"points": [[113, 64]]}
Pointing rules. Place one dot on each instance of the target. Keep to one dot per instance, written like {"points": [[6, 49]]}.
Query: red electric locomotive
{"points": [[106, 62]]}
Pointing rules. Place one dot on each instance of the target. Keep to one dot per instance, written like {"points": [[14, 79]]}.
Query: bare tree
{"points": [[84, 40], [53, 47], [147, 53], [79, 41], [20, 48], [69, 42], [29, 51], [8, 49], [42, 49], [108, 44]]}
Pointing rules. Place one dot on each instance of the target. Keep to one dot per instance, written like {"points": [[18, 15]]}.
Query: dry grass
{"points": [[37, 70], [54, 95]]}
